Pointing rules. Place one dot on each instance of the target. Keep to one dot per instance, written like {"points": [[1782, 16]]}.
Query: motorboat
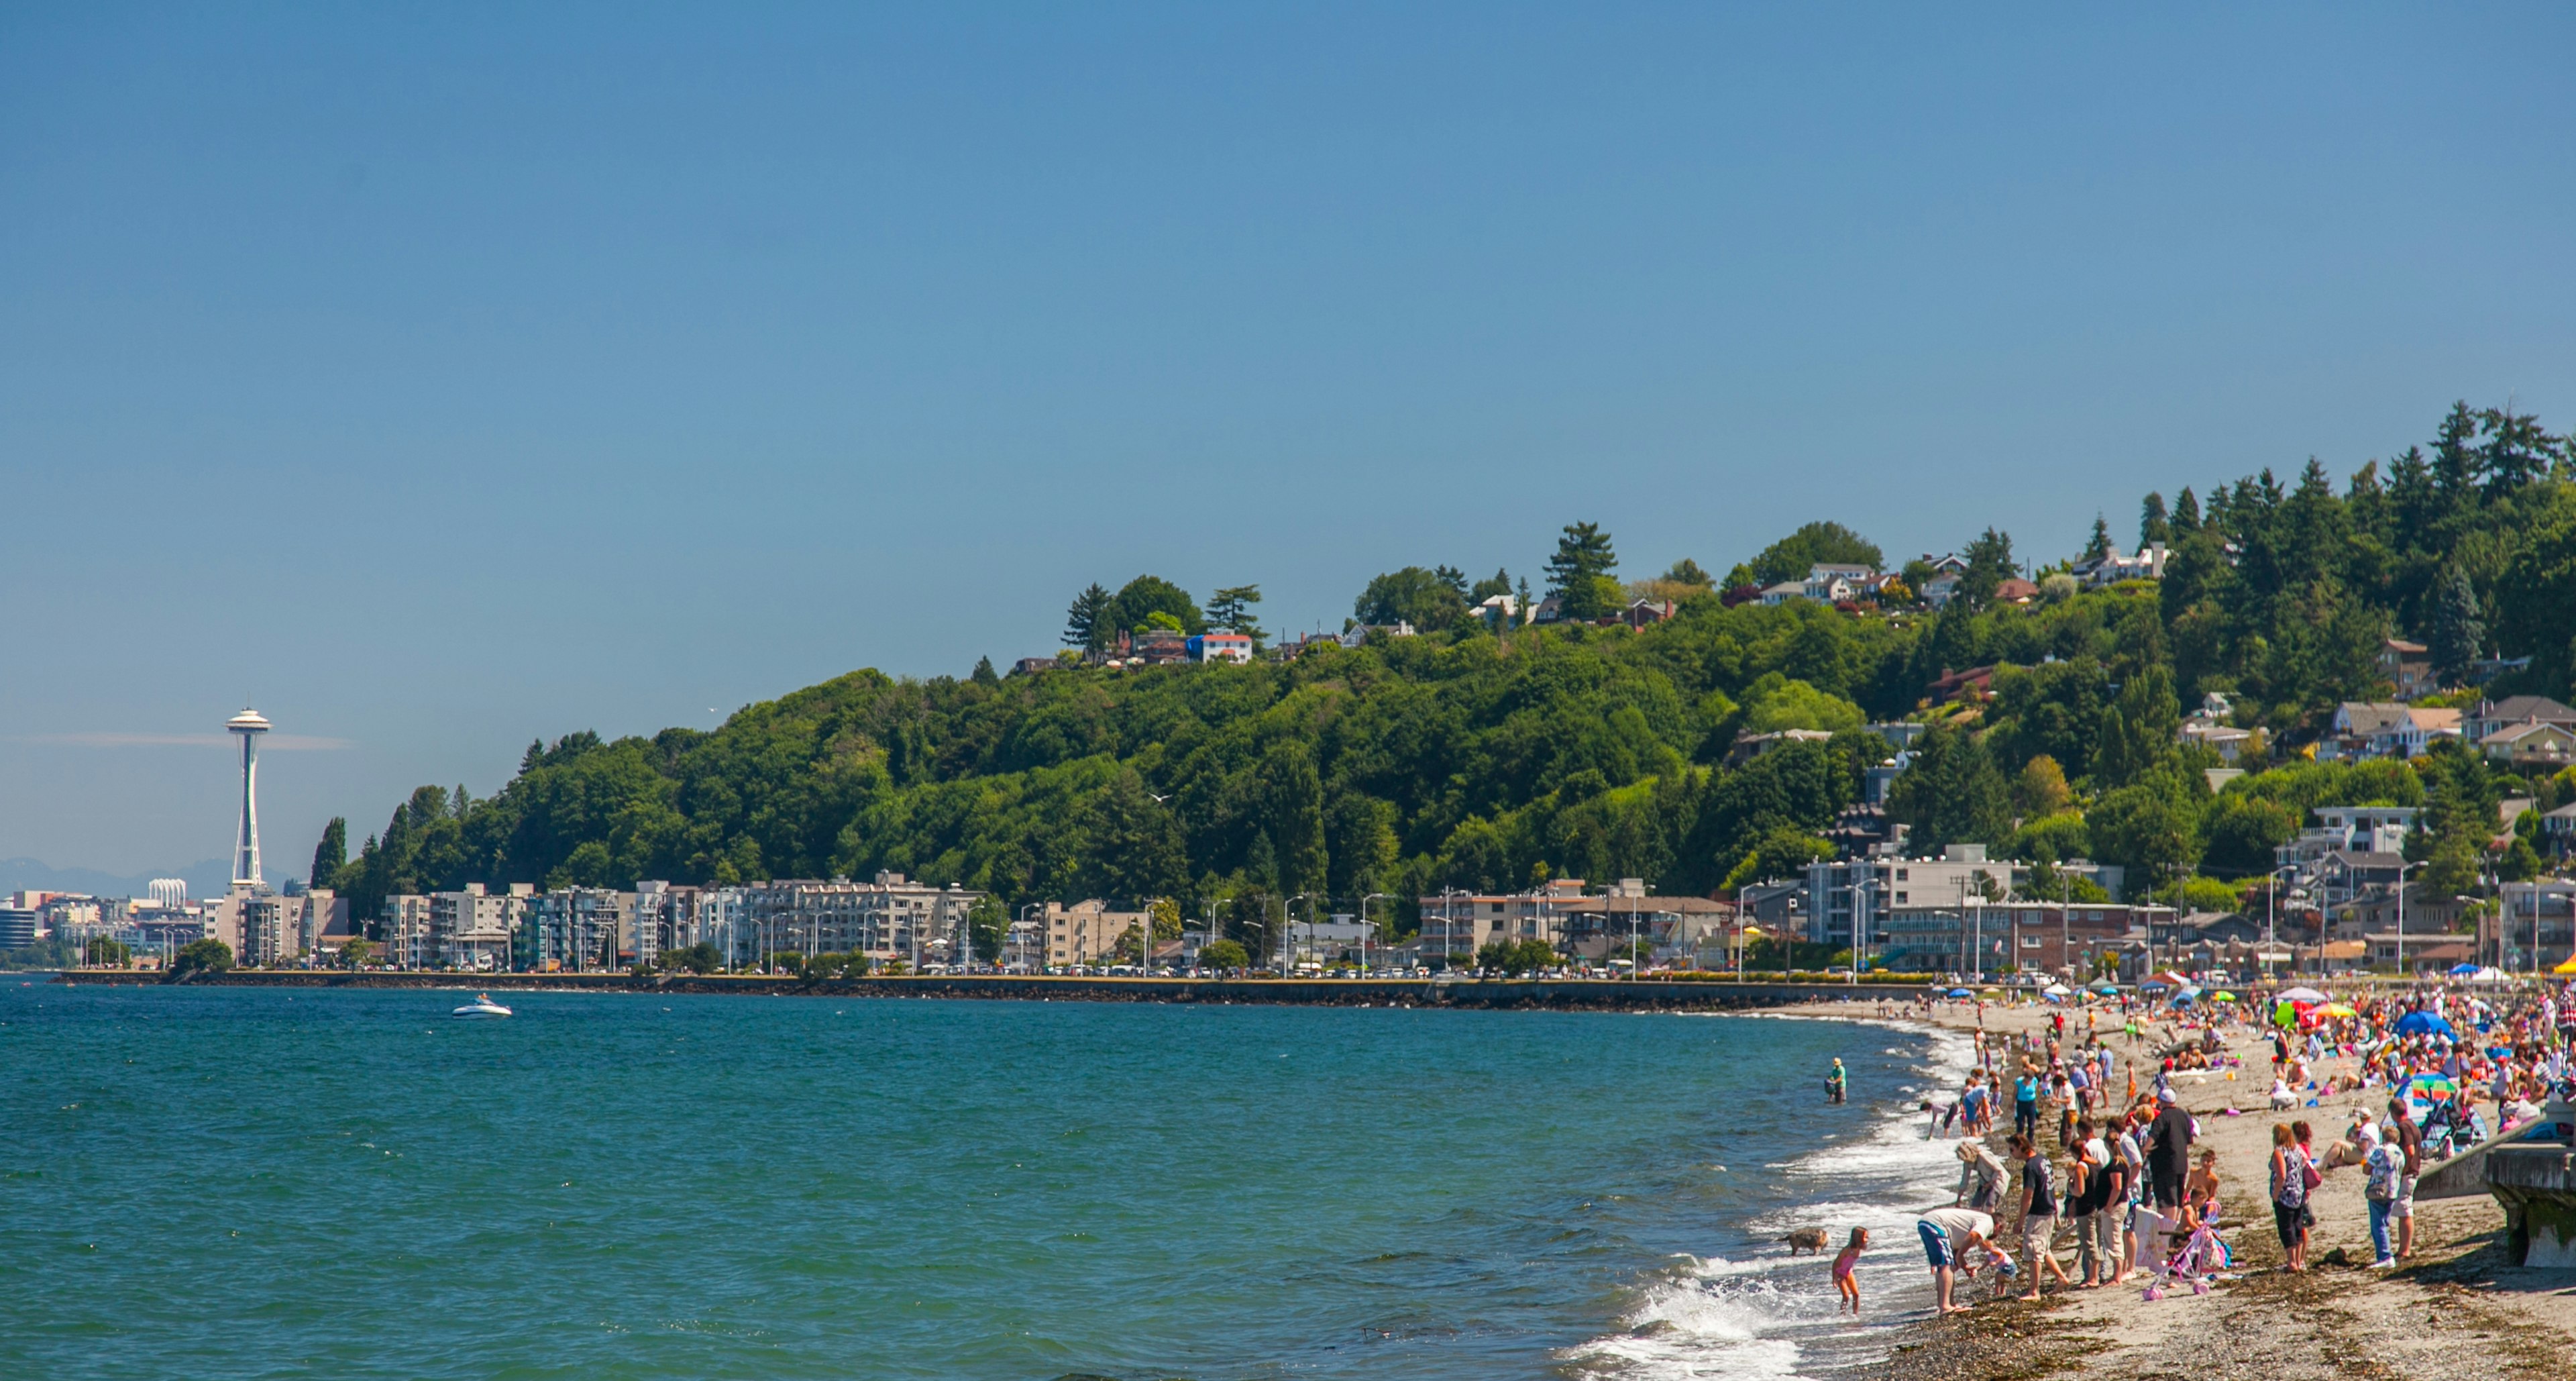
{"points": [[482, 1006]]}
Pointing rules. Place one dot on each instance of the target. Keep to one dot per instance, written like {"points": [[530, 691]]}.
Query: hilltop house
{"points": [[2408, 667], [2494, 718], [2111, 569], [2384, 730]]}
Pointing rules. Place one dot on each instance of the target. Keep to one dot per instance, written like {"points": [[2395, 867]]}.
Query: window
{"points": [[2030, 942], [1900, 899], [1900, 875]]}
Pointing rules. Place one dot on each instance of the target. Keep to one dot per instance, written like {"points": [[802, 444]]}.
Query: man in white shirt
{"points": [[1950, 1237]]}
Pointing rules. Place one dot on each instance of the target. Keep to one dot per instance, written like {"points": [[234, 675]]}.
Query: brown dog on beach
{"points": [[1805, 1240]]}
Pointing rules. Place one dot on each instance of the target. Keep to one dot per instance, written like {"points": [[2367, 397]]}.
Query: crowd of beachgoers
{"points": [[2104, 1176]]}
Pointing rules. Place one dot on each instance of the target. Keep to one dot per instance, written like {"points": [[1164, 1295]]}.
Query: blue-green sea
{"points": [[244, 1182]]}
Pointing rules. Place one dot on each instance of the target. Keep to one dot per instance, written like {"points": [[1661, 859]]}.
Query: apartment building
{"points": [[1849, 896], [890, 918], [407, 937], [576, 930], [474, 928], [1083, 933], [1456, 924]]}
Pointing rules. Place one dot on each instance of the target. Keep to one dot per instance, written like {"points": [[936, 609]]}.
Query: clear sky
{"points": [[439, 378]]}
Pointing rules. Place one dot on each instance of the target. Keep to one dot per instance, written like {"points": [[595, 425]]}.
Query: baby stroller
{"points": [[2198, 1258]]}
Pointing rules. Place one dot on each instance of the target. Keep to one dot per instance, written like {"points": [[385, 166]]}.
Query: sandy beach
{"points": [[2453, 1310]]}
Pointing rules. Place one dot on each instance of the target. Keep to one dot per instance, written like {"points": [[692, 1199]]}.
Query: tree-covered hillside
{"points": [[1482, 757]]}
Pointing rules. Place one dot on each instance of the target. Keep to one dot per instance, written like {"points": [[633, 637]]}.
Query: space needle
{"points": [[249, 724]]}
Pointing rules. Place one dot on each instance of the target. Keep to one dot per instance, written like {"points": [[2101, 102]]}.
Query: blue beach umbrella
{"points": [[2463, 970], [1961, 992], [2423, 1024]]}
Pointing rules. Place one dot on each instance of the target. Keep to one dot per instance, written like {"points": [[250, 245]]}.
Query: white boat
{"points": [[482, 1006]]}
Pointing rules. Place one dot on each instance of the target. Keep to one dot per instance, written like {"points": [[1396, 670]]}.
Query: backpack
{"points": [[2383, 1163]]}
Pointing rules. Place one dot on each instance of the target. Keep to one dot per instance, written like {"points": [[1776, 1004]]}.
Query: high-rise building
{"points": [[249, 725]]}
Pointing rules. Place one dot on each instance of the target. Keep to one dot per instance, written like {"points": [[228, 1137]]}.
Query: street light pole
{"points": [[2402, 871], [1364, 928]]}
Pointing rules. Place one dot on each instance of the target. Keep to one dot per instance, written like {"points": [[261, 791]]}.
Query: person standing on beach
{"points": [[2410, 1148], [2168, 1150], [2110, 1196], [2132, 1148], [2026, 1102], [1949, 1236], [2038, 1214], [2290, 1196]]}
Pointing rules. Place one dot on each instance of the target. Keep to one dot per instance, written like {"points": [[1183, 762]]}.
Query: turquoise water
{"points": [[244, 1182]]}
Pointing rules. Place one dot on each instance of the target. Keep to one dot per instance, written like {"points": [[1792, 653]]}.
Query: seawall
{"points": [[1610, 994]]}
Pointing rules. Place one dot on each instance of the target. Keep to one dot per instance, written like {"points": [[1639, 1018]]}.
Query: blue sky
{"points": [[441, 378]]}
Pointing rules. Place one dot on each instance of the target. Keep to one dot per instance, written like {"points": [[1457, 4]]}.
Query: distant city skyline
{"points": [[438, 385]]}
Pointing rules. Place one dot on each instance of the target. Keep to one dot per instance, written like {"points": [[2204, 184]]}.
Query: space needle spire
{"points": [[249, 724]]}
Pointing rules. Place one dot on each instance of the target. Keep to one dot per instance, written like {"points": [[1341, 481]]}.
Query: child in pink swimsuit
{"points": [[1844, 1282]]}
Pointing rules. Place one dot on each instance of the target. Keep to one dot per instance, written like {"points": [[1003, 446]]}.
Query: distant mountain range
{"points": [[206, 879]]}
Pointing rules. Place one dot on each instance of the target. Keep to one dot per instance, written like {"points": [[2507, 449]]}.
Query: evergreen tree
{"points": [[1499, 583], [2098, 547], [332, 854], [2515, 451], [2458, 634], [2186, 513], [1092, 623], [2153, 526], [2138, 730], [1990, 564], [1231, 609], [1296, 811], [1578, 572], [2456, 461], [984, 674]]}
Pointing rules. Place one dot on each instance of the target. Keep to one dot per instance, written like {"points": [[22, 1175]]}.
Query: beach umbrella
{"points": [[2568, 967], [2056, 990], [2224, 996], [2108, 989], [1961, 992], [2336, 1009], [2490, 974], [2431, 1088], [2463, 970], [2423, 1024], [2300, 995]]}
